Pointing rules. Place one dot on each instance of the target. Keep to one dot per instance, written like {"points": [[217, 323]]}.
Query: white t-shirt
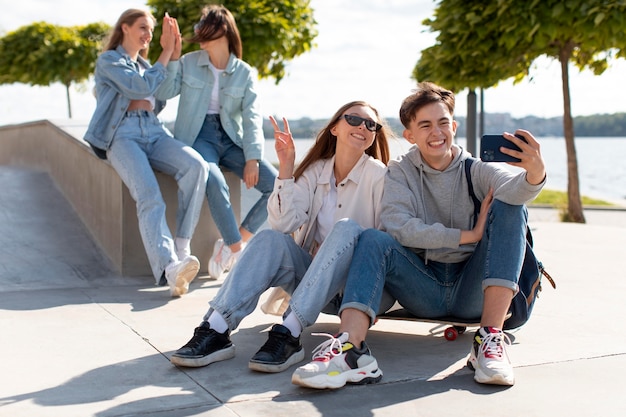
{"points": [[214, 104], [149, 98]]}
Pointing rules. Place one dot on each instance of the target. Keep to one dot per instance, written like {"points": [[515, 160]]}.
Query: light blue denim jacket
{"points": [[240, 116], [117, 83]]}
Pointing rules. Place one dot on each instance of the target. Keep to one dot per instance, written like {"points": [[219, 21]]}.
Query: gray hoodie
{"points": [[425, 209]]}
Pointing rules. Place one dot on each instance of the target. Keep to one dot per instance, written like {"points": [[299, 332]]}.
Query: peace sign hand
{"points": [[285, 149]]}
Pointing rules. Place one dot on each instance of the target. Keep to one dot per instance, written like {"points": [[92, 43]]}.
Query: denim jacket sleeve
{"points": [[171, 86], [117, 83], [121, 74]]}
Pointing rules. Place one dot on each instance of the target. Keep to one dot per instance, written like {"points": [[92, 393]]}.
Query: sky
{"points": [[365, 50]]}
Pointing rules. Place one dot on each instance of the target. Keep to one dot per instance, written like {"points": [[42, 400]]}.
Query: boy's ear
{"points": [[406, 133]]}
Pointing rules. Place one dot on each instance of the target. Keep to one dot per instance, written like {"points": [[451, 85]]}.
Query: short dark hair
{"points": [[426, 93]]}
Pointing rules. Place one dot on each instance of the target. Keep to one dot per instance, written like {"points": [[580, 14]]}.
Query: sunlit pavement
{"points": [[79, 340]]}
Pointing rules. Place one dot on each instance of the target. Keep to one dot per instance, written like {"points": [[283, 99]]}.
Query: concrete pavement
{"points": [[78, 340]]}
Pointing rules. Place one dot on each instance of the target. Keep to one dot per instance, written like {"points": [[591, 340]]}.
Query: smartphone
{"points": [[490, 148]]}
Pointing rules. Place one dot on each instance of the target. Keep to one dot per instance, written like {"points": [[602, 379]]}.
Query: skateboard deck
{"points": [[456, 326]]}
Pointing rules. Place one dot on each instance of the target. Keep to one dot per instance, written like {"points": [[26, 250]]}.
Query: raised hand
{"points": [[476, 234], [178, 46], [285, 149], [168, 35], [530, 156]]}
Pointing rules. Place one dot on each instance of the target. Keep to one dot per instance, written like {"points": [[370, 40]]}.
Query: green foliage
{"points": [[482, 43], [42, 53], [273, 32], [601, 125]]}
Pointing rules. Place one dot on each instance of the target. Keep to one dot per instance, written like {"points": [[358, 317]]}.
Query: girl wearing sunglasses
{"points": [[317, 212]]}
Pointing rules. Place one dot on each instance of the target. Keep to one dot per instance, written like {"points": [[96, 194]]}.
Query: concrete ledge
{"points": [[98, 195]]}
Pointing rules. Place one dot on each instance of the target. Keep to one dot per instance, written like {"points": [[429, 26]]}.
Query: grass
{"points": [[558, 199]]}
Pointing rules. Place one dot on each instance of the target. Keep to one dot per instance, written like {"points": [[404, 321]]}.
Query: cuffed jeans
{"points": [[142, 144], [274, 259], [434, 289], [219, 150]]}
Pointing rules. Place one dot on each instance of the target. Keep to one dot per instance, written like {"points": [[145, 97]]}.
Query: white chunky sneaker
{"points": [[222, 259], [489, 359], [179, 274], [337, 362]]}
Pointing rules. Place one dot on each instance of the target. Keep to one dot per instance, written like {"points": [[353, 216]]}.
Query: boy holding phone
{"points": [[433, 259]]}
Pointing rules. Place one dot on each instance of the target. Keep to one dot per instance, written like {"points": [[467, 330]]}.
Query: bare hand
{"points": [[168, 34], [530, 156], [178, 46], [476, 234], [251, 173], [285, 149]]}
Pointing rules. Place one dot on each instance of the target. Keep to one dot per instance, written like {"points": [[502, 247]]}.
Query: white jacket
{"points": [[294, 205]]}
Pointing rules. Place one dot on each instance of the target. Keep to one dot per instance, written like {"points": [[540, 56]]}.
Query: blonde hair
{"points": [[116, 36]]}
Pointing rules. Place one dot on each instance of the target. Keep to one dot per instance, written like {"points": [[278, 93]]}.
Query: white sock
{"points": [[293, 324], [217, 322], [183, 247]]}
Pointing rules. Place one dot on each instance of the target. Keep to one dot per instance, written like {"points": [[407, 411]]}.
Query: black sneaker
{"points": [[279, 352], [205, 347]]}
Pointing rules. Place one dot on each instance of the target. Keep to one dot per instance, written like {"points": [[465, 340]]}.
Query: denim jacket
{"points": [[117, 83], [240, 116]]}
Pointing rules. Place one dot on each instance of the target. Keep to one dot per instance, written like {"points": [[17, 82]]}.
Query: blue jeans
{"points": [[218, 150], [273, 259], [434, 289], [142, 144]]}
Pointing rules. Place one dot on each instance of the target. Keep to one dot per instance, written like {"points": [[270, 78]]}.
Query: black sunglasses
{"points": [[370, 125]]}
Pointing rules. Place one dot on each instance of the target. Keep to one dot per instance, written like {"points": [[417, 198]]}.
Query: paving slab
{"points": [[78, 340]]}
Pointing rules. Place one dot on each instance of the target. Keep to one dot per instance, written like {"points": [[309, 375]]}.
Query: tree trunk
{"points": [[69, 104], [574, 203], [470, 129]]}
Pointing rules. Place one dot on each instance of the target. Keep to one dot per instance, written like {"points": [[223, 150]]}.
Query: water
{"points": [[601, 170]]}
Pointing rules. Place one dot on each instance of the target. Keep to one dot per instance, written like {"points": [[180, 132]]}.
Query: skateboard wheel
{"points": [[450, 334]]}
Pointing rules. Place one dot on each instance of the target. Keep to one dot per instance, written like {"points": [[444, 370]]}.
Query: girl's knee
{"points": [[348, 227], [268, 238]]}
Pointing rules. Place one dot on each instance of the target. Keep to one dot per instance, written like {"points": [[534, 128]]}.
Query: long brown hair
{"points": [[325, 142], [217, 21], [116, 36]]}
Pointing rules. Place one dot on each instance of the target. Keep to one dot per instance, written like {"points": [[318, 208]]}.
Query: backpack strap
{"points": [[467, 165]]}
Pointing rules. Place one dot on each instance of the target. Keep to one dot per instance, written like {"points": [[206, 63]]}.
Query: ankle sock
{"points": [[217, 322], [183, 247], [293, 324]]}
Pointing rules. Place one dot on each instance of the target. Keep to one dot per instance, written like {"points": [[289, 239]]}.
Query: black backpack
{"points": [[530, 277]]}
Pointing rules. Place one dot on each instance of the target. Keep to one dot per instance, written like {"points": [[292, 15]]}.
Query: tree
{"points": [[482, 43], [42, 54], [272, 31]]}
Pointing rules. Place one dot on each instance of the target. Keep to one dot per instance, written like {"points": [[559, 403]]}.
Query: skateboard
{"points": [[456, 326]]}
